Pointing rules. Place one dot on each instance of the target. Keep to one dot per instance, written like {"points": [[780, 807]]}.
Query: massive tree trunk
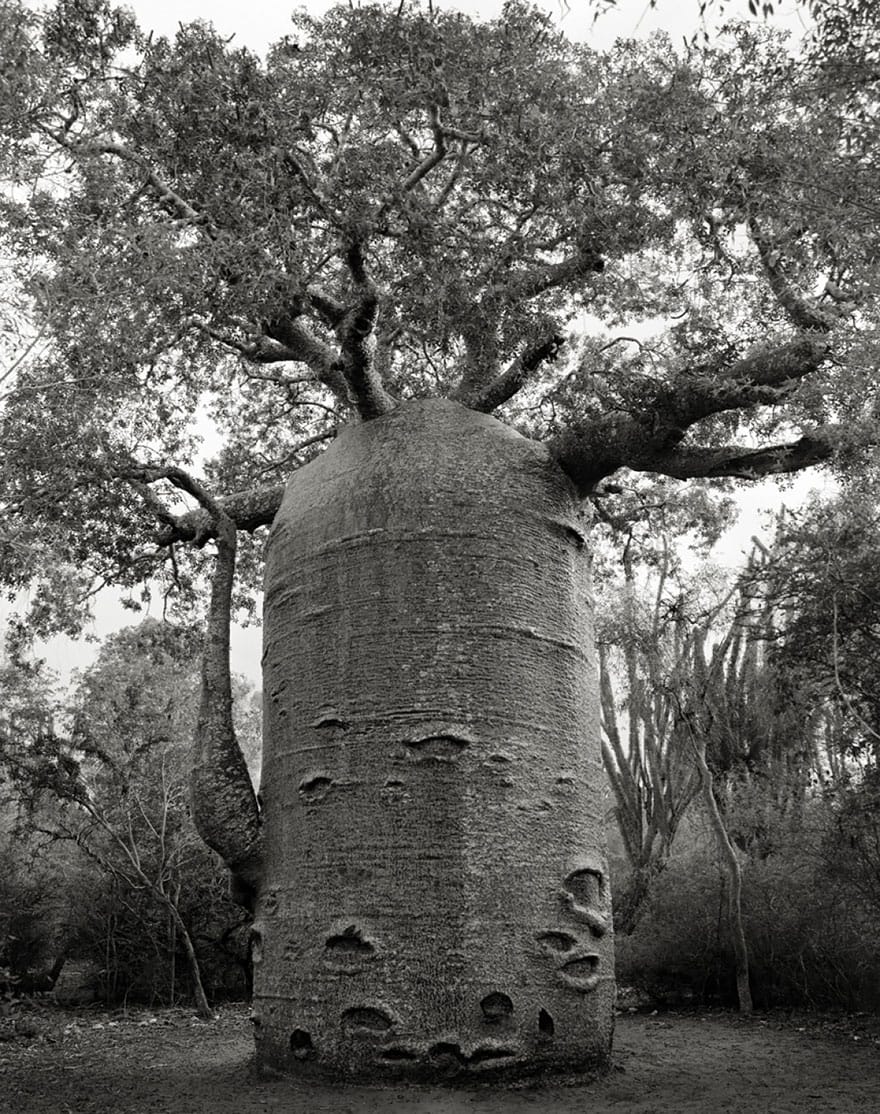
{"points": [[434, 897]]}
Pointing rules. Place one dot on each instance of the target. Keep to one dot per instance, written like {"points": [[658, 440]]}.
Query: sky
{"points": [[262, 21], [257, 23]]}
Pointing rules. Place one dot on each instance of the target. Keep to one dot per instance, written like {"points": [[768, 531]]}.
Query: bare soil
{"points": [[56, 1061]]}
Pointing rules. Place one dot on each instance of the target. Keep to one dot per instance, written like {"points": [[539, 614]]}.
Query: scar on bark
{"points": [[437, 747], [557, 941], [546, 1026], [367, 1018], [585, 895], [301, 1044], [348, 946], [315, 788], [496, 1007], [581, 974]]}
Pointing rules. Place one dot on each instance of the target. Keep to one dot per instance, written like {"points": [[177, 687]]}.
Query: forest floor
{"points": [[57, 1061]]}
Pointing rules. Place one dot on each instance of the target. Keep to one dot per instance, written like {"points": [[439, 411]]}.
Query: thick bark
{"points": [[225, 808], [650, 439], [435, 895], [247, 509]]}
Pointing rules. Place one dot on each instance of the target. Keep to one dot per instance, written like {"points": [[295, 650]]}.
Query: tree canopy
{"points": [[401, 202]]}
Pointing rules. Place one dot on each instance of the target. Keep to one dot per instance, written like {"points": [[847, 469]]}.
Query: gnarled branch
{"points": [[355, 334], [520, 286], [695, 462], [645, 439], [506, 385], [248, 510], [224, 805], [797, 308]]}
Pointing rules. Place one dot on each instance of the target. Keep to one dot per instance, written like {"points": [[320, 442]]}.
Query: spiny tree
{"points": [[642, 644], [383, 234], [746, 727]]}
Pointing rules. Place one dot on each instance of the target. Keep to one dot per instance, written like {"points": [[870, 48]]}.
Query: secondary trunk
{"points": [[733, 870], [434, 897]]}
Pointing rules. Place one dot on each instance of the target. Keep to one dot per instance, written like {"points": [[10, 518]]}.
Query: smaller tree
{"points": [[120, 780], [648, 767]]}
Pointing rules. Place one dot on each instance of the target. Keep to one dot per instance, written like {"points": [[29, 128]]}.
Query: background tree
{"points": [[116, 787], [644, 750], [391, 226], [821, 592], [786, 758]]}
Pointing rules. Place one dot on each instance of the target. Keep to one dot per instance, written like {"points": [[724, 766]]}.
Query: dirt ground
{"points": [[55, 1061]]}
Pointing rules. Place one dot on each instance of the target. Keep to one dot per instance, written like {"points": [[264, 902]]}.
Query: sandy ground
{"points": [[167, 1062]]}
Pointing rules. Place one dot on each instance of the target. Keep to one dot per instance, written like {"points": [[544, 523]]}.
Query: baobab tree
{"points": [[362, 260]]}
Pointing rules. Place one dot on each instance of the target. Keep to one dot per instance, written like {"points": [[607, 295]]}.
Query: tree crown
{"points": [[401, 202]]}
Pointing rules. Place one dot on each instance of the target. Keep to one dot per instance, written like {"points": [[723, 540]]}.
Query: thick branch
{"points": [[248, 510], [686, 462], [165, 194], [224, 805], [296, 343], [356, 339], [519, 287], [529, 284], [427, 164], [301, 345], [515, 376], [797, 308], [647, 440]]}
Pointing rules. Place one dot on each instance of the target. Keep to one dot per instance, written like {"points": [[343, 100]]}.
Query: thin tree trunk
{"points": [[203, 1010], [731, 862], [225, 808], [173, 950]]}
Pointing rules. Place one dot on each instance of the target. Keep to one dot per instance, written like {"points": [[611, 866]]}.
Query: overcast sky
{"points": [[259, 22]]}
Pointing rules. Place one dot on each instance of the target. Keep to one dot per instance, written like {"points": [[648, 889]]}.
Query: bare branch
{"points": [[182, 480], [799, 311], [516, 375], [454, 178], [482, 366], [523, 285], [329, 310], [303, 346], [321, 201], [224, 805], [436, 156], [165, 194], [249, 510], [301, 447], [693, 462]]}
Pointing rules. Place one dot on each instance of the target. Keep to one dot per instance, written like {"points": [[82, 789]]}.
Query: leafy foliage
{"points": [[401, 202]]}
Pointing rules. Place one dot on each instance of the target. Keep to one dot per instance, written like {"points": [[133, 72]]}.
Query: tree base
{"points": [[440, 1064]]}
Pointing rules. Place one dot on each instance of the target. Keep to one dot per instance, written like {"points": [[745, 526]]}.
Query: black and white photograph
{"points": [[440, 556]]}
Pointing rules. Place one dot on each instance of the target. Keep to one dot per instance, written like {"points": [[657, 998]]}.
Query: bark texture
{"points": [[435, 895], [224, 805]]}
